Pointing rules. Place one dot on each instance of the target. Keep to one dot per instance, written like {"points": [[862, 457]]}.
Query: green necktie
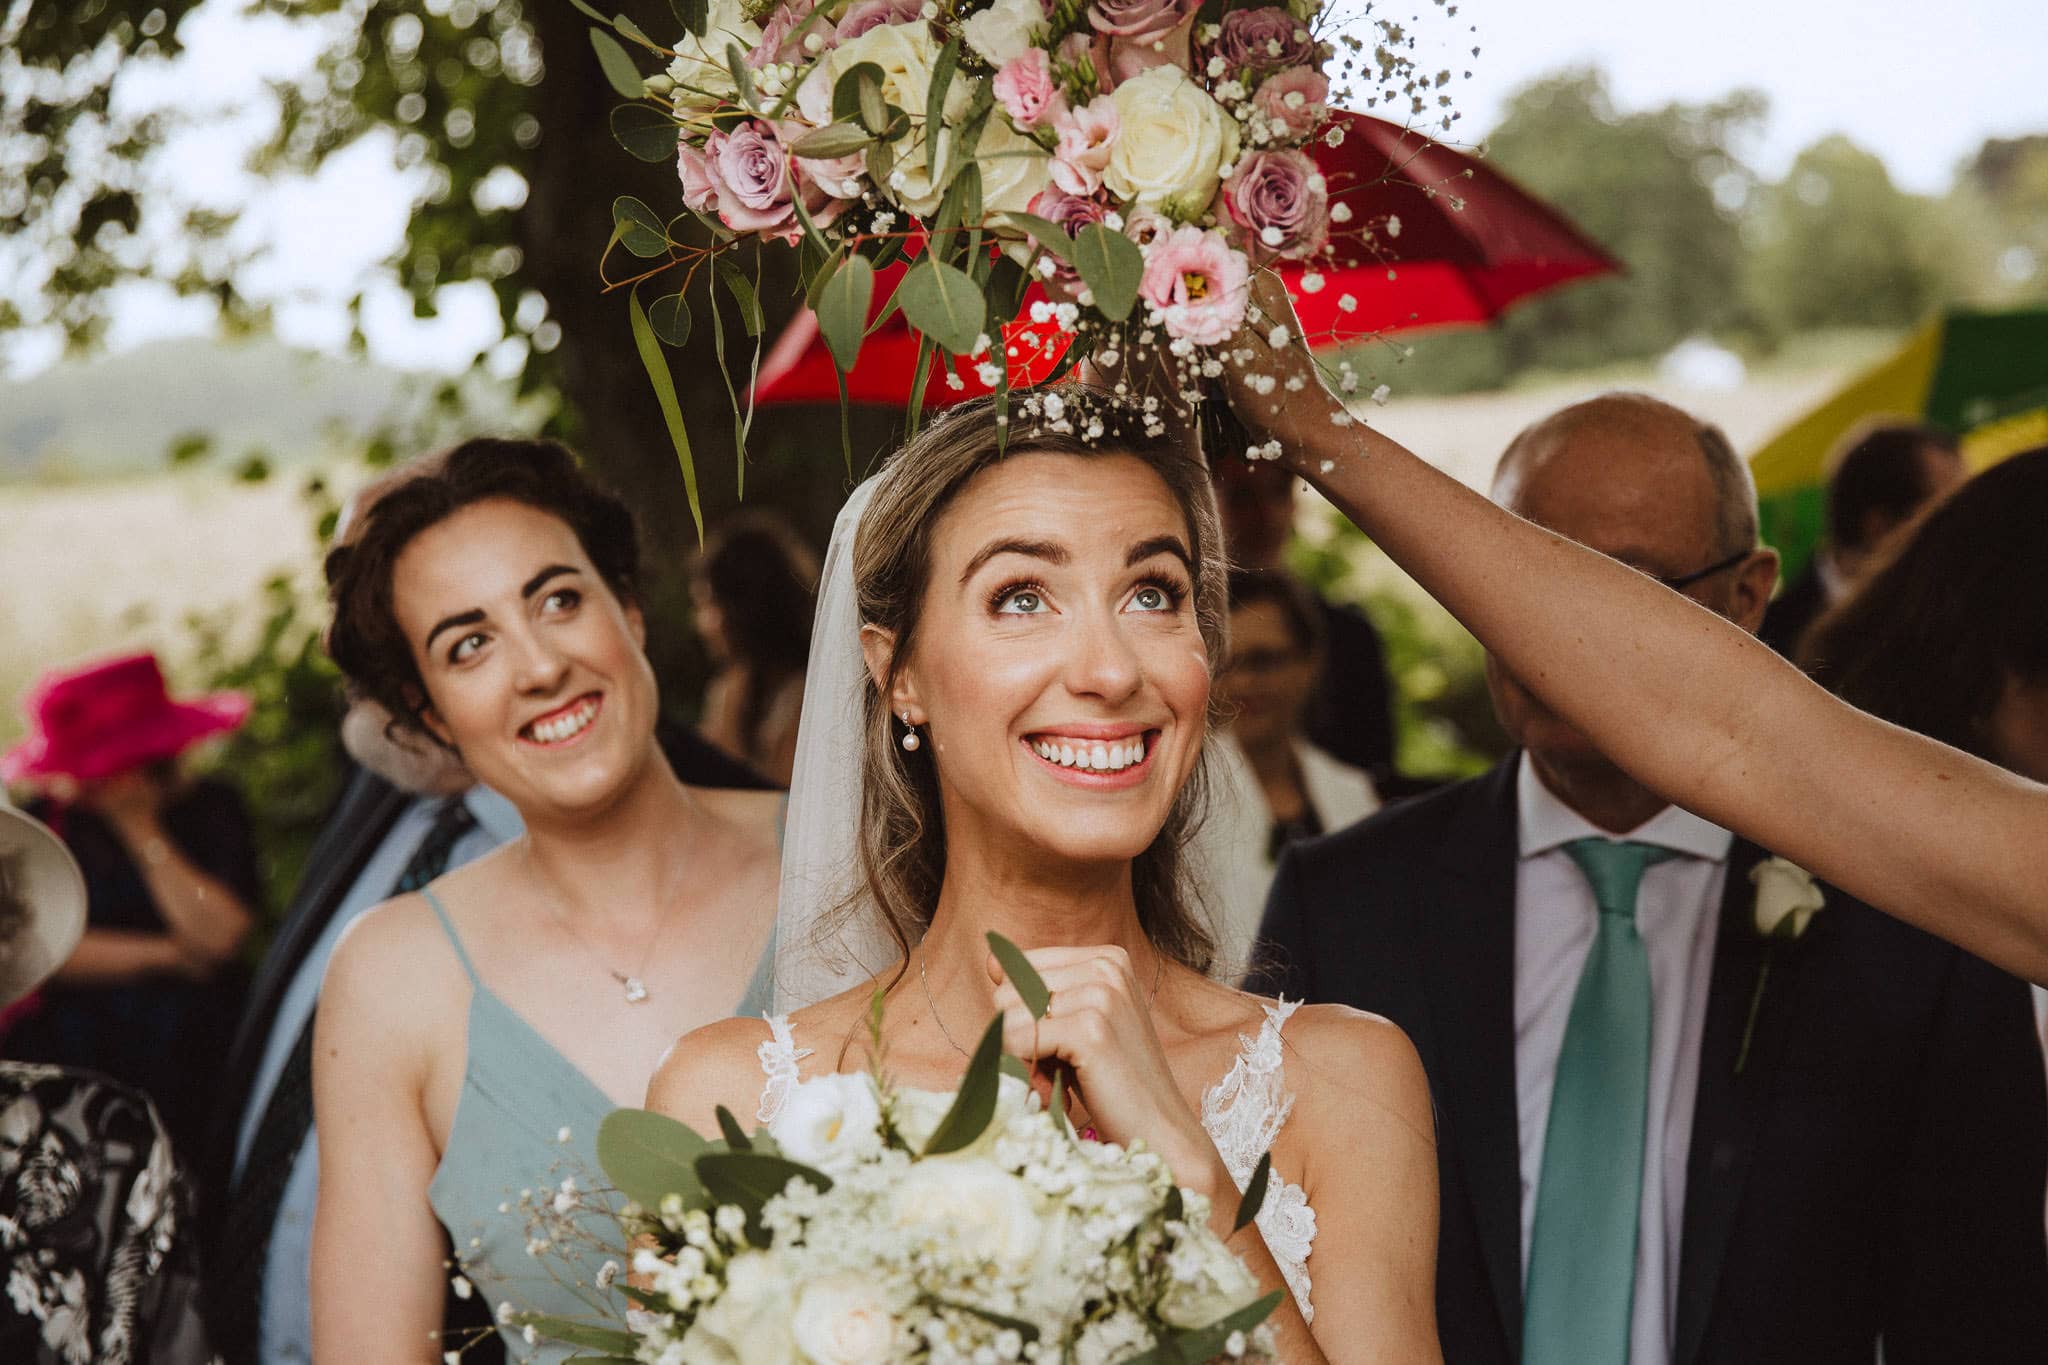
{"points": [[1582, 1249]]}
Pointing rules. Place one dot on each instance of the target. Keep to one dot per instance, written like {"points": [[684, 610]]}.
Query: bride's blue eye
{"points": [[1156, 597], [1019, 601]]}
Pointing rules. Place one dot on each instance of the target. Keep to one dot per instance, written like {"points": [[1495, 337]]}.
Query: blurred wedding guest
{"points": [[1694, 1107], [1350, 709], [409, 809], [150, 996], [1274, 785], [754, 585], [96, 1237], [1948, 634], [1881, 478]]}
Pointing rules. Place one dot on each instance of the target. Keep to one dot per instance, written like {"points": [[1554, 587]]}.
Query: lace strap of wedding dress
{"points": [[779, 1056], [1243, 1113]]}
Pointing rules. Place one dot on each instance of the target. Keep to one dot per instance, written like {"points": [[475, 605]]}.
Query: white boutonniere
{"points": [[1787, 899]]}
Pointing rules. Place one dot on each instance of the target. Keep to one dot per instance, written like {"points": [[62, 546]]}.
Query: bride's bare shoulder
{"points": [[1349, 1068], [721, 1063]]}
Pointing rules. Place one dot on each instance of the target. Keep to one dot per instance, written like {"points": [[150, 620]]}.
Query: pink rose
{"points": [[1082, 151], [1029, 94], [1280, 201], [1072, 213], [1198, 283], [1136, 35], [1263, 38], [755, 183], [784, 31], [1294, 101], [700, 186], [863, 15]]}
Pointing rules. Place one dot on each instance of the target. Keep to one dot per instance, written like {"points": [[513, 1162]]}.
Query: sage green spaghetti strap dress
{"points": [[526, 1120]]}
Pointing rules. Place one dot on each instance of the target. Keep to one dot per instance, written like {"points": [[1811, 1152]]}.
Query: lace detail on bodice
{"points": [[779, 1057], [1243, 1114]]}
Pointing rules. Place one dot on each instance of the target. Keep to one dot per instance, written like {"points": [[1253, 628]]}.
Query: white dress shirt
{"points": [[1678, 915], [285, 1330]]}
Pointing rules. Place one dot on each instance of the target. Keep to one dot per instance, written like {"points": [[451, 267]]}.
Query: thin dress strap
{"points": [[779, 1057], [454, 939]]}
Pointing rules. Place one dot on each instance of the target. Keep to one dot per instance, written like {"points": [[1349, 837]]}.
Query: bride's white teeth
{"points": [[1066, 755], [1110, 757]]}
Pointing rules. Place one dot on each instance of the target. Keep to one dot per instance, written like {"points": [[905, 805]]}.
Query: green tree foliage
{"points": [[1837, 244], [2003, 193]]}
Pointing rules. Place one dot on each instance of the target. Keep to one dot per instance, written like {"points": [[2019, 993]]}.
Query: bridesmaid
{"points": [[491, 606]]}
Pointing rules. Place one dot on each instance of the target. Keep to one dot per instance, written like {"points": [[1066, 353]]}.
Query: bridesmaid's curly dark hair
{"points": [[365, 641]]}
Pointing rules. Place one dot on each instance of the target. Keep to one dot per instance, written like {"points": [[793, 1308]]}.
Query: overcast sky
{"points": [[1922, 90]]}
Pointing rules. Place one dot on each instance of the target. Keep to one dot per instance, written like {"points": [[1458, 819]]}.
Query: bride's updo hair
{"points": [[902, 837]]}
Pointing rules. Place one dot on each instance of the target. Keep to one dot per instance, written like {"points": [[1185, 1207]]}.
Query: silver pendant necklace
{"points": [[633, 984]]}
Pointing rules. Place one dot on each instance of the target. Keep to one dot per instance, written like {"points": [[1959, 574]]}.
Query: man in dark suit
{"points": [[1877, 483], [1667, 1136], [380, 837]]}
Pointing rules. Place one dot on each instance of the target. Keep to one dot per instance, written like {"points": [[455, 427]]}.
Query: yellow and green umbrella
{"points": [[1983, 376]]}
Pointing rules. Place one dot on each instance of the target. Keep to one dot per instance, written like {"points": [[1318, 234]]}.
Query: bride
{"points": [[1039, 626]]}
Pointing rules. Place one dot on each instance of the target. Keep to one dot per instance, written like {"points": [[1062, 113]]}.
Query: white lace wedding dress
{"points": [[1243, 1114]]}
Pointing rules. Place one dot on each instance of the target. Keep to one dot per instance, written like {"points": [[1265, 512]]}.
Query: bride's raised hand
{"points": [[1099, 1023]]}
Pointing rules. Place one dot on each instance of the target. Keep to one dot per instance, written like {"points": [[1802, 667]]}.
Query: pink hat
{"points": [[103, 718]]}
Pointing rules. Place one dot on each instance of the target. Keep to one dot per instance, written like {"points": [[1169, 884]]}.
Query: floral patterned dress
{"points": [[95, 1227]]}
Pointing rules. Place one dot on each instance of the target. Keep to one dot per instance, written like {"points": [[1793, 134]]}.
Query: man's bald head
{"points": [[1634, 439]]}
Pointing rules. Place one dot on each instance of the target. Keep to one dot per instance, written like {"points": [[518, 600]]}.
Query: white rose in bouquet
{"points": [[1172, 142], [702, 78], [1014, 169], [1005, 30], [968, 1206], [831, 1123], [916, 1114], [749, 1323], [844, 1319], [906, 54]]}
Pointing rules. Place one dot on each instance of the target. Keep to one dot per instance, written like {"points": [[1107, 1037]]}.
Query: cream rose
{"points": [[1004, 31], [830, 1123], [1014, 169], [972, 1207], [702, 78], [1171, 144], [843, 1319], [906, 55], [749, 1324], [1787, 898]]}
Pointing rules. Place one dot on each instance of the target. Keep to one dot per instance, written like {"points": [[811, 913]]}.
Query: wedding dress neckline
{"points": [[1243, 1113]]}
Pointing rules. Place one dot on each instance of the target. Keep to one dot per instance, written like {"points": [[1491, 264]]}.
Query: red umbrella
{"points": [[1435, 238]]}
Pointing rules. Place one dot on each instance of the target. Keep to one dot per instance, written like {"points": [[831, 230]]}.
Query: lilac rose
{"points": [[1281, 202], [863, 15], [1072, 212], [1264, 38], [785, 31], [1135, 35], [700, 185], [755, 184]]}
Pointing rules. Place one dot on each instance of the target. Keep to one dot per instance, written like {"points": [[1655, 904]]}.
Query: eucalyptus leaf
{"points": [[1111, 266], [644, 131], [935, 99], [742, 291], [750, 1179], [589, 12], [669, 316], [833, 140], [1014, 1066], [1254, 1194], [1026, 1330], [617, 66], [874, 110], [649, 347], [959, 208], [631, 30], [693, 15], [843, 309], [1196, 1346], [648, 1155], [640, 229], [1058, 1107], [1050, 236], [913, 412], [846, 91], [1030, 985], [821, 276], [742, 75], [574, 1333], [975, 1104], [943, 303], [734, 1135]]}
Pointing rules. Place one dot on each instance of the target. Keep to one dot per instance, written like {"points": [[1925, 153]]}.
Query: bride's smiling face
{"points": [[1058, 675]]}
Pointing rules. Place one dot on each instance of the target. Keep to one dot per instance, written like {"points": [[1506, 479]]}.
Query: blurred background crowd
{"points": [[254, 257]]}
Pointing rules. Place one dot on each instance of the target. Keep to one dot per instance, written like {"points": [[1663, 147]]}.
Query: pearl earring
{"points": [[910, 739]]}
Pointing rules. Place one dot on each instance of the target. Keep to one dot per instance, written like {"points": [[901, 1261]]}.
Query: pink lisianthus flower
{"points": [[1072, 212], [1027, 90], [1136, 35], [863, 15], [700, 186], [1199, 284], [755, 181], [1082, 151], [1280, 201], [1295, 102]]}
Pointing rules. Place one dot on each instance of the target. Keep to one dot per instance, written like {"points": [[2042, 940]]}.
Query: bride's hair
{"points": [[902, 838]]}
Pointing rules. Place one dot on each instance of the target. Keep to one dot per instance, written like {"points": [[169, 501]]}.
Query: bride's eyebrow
{"points": [[1159, 545], [1050, 551]]}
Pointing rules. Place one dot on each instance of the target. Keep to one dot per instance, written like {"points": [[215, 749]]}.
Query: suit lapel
{"points": [[1730, 1107], [1471, 929]]}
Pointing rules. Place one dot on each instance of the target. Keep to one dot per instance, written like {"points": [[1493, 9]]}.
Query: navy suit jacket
{"points": [[1875, 1170]]}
